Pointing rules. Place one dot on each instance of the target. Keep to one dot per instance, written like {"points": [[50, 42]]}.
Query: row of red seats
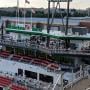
{"points": [[53, 66], [56, 66], [41, 62], [6, 51], [16, 57], [24, 58], [18, 87], [29, 58], [5, 82], [44, 63], [4, 54], [49, 60], [5, 78]]}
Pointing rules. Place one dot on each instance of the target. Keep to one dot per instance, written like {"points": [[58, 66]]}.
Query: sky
{"points": [[78, 4]]}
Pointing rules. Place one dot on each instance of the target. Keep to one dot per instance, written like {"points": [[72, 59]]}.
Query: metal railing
{"points": [[80, 77], [23, 44]]}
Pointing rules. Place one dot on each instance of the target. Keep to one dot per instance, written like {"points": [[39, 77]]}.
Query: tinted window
{"points": [[30, 74], [46, 78]]}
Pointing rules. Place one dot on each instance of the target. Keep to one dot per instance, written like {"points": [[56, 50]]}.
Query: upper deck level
{"points": [[19, 36]]}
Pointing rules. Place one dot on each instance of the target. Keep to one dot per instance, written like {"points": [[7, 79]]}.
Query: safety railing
{"points": [[22, 44]]}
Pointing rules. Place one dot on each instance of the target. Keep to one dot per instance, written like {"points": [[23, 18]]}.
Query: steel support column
{"points": [[67, 23], [48, 23]]}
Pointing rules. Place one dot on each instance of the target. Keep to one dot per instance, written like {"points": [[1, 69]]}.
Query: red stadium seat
{"points": [[4, 81], [18, 87]]}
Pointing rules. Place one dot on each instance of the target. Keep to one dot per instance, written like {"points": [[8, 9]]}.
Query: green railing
{"points": [[22, 28], [37, 29], [15, 27]]}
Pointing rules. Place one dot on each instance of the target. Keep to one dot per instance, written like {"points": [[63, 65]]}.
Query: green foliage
{"points": [[41, 14]]}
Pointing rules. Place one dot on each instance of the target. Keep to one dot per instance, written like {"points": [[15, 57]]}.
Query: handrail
{"points": [[35, 46]]}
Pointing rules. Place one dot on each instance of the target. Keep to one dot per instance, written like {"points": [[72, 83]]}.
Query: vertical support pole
{"points": [[67, 18], [31, 18], [38, 79], [72, 79], [37, 76], [62, 88], [48, 23], [17, 12], [2, 28], [24, 14], [23, 73], [81, 71], [67, 22]]}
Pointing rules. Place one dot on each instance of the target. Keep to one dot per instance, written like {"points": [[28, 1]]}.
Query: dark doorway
{"points": [[46, 78], [20, 72], [30, 74]]}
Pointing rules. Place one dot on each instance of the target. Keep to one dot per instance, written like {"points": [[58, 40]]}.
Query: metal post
{"points": [[24, 14], [48, 23], [17, 13], [37, 76], [80, 71], [67, 18], [62, 88], [38, 80], [72, 80], [31, 18], [2, 28]]}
